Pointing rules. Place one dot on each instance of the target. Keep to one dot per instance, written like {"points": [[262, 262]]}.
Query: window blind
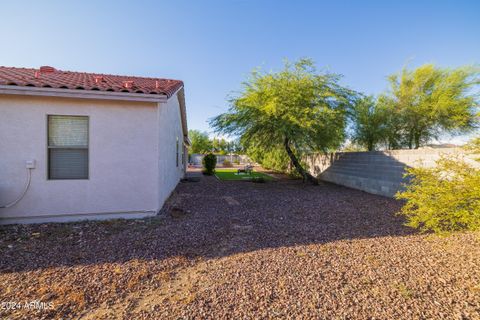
{"points": [[67, 147]]}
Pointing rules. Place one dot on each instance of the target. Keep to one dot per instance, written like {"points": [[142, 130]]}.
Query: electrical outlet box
{"points": [[30, 164]]}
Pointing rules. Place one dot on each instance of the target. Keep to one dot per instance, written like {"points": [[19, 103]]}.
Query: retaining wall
{"points": [[378, 172]]}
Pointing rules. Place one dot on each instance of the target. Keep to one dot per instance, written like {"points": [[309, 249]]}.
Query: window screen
{"points": [[67, 147]]}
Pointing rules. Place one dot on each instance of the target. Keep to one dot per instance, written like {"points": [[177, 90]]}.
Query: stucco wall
{"points": [[169, 130], [379, 172], [123, 159]]}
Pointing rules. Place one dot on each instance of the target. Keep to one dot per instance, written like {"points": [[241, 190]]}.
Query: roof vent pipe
{"points": [[98, 79], [128, 84]]}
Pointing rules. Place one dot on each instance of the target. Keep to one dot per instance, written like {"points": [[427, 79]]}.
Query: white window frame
{"points": [[177, 152], [183, 154], [75, 147]]}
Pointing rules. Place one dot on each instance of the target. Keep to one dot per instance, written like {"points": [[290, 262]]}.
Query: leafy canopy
{"points": [[370, 123], [429, 101], [220, 146], [296, 107], [274, 159], [200, 142]]}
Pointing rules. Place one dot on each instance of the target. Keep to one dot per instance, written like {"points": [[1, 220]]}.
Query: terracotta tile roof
{"points": [[48, 77]]}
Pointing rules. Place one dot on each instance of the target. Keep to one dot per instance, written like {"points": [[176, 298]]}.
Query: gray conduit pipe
{"points": [[27, 185]]}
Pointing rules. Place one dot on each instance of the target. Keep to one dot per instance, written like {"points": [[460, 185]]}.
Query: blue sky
{"points": [[213, 45]]}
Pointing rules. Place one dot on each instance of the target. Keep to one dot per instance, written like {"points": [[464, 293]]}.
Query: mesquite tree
{"points": [[370, 123], [430, 101], [297, 109]]}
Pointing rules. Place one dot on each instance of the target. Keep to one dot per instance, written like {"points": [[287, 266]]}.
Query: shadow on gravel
{"points": [[208, 219]]}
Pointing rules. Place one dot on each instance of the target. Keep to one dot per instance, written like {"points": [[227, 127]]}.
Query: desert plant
{"points": [[444, 198], [474, 147], [209, 162]]}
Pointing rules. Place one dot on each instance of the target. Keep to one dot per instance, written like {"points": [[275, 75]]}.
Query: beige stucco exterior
{"points": [[132, 164]]}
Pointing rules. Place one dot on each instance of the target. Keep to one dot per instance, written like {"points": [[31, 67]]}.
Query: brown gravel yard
{"points": [[243, 250]]}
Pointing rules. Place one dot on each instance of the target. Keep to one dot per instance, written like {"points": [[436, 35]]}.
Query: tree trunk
{"points": [[417, 142], [297, 165], [410, 140], [417, 139], [370, 146]]}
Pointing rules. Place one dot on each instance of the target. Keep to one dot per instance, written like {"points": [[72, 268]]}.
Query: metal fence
{"points": [[196, 159]]}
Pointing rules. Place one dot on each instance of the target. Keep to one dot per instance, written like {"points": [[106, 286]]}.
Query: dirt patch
{"points": [[178, 287]]}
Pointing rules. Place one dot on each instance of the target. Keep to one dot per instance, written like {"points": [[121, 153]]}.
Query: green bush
{"points": [[258, 180], [443, 199], [273, 159], [226, 163], [209, 162]]}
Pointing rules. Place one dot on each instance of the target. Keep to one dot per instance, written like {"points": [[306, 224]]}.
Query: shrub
{"points": [[258, 179], [275, 159], [227, 163], [443, 199], [209, 162]]}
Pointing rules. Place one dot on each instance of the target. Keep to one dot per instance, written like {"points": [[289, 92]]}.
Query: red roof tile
{"points": [[48, 77]]}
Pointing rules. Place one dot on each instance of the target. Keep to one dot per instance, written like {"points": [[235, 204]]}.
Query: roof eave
{"points": [[81, 94], [180, 94]]}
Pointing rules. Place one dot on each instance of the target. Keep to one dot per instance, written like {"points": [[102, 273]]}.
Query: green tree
{"points": [[296, 109], [220, 146], [200, 142], [393, 133], [370, 123], [235, 147], [429, 101]]}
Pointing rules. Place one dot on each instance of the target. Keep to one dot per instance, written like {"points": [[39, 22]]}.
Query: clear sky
{"points": [[213, 45]]}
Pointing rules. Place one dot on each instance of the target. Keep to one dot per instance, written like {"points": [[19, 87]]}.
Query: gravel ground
{"points": [[243, 250]]}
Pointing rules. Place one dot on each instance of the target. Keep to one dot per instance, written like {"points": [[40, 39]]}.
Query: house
{"points": [[78, 145]]}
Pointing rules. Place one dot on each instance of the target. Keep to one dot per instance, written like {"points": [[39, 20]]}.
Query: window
{"points": [[177, 151], [183, 155], [67, 147]]}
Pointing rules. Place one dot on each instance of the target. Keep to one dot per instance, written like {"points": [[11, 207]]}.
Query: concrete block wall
{"points": [[378, 172]]}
